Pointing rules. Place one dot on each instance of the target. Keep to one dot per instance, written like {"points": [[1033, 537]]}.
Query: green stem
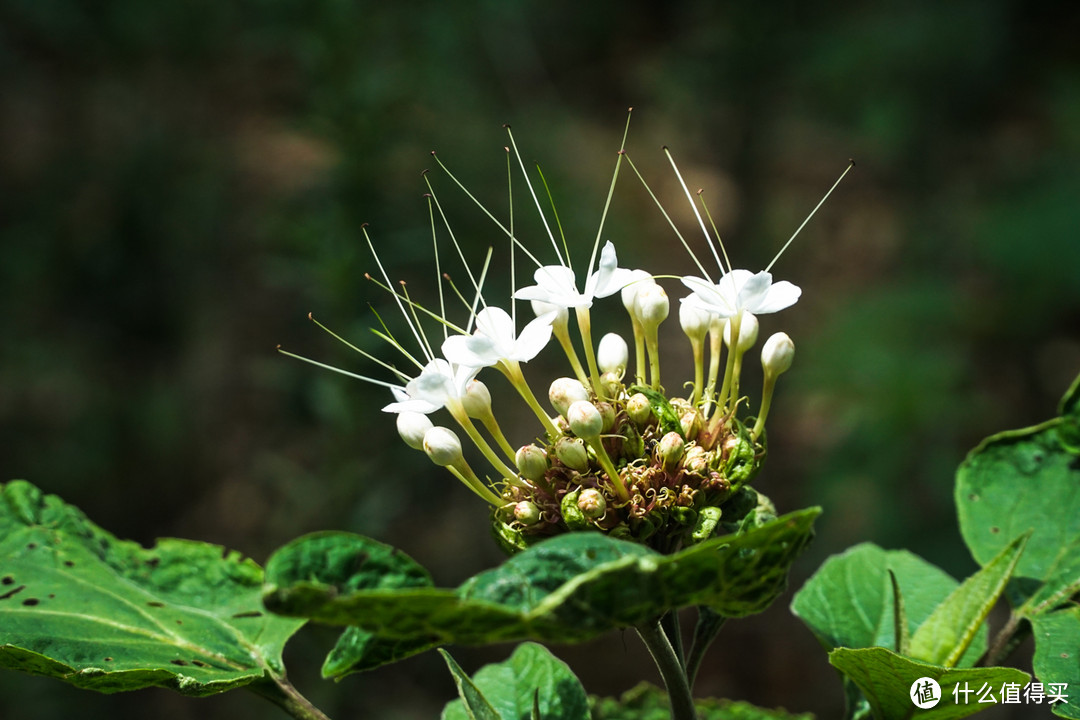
{"points": [[639, 350], [584, 322], [708, 626], [670, 624], [562, 334], [1006, 641], [285, 696], [671, 670], [512, 370]]}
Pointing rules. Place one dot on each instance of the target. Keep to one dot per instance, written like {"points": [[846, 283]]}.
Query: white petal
{"points": [[754, 290], [781, 295], [463, 350], [718, 299], [497, 324], [533, 338]]}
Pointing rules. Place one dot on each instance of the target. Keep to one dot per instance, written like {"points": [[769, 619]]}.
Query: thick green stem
{"points": [[285, 696], [672, 628], [671, 670], [584, 322]]}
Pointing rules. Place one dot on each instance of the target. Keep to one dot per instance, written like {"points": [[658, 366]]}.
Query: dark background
{"points": [[181, 183]]}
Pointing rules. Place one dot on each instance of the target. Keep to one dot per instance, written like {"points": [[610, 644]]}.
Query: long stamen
{"points": [[851, 164], [611, 191], [693, 206], [316, 363], [555, 212], [438, 269], [487, 212], [513, 270], [412, 308], [418, 306], [536, 200], [726, 267], [363, 229], [453, 238], [365, 353], [704, 272]]}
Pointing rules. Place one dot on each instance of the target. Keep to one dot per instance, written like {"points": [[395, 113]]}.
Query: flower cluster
{"points": [[619, 455]]}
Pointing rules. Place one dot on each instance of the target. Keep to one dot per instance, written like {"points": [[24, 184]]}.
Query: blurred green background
{"points": [[181, 183]]}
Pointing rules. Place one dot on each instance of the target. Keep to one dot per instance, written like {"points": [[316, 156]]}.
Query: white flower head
{"points": [[495, 340], [437, 384], [557, 284], [741, 290]]}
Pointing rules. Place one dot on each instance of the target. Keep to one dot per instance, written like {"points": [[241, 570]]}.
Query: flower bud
{"points": [[694, 320], [691, 423], [612, 354], [611, 383], [777, 354], [564, 392], [607, 413], [652, 305], [748, 332], [670, 450], [640, 281], [539, 307], [477, 400], [526, 512], [591, 503], [571, 451], [585, 420], [696, 460], [639, 409], [411, 426], [442, 446], [532, 462]]}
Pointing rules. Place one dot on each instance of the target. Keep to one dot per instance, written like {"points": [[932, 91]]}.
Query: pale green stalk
{"points": [[585, 328], [766, 401], [471, 481], [512, 370], [609, 467], [561, 330], [458, 412]]}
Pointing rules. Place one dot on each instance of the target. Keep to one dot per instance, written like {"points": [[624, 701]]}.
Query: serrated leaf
{"points": [[944, 637], [848, 602], [105, 614], [531, 679], [886, 678], [475, 705], [1017, 481], [1057, 654], [566, 589], [648, 702]]}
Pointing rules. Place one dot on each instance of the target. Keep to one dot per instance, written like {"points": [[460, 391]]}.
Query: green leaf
{"points": [[475, 705], [566, 589], [648, 702], [849, 601], [105, 614], [1069, 409], [359, 650], [1018, 481], [532, 676], [944, 637], [1057, 654], [886, 678]]}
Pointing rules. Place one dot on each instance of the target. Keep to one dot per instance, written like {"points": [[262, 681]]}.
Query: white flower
{"points": [[557, 284], [495, 340], [742, 290], [439, 382]]}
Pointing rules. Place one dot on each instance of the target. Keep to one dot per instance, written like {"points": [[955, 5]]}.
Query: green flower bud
{"points": [[571, 451], [748, 332], [611, 383], [532, 462], [607, 413], [585, 420], [442, 446], [412, 426], [591, 503], [696, 460], [564, 392], [777, 354], [669, 451], [639, 409], [477, 400], [527, 512], [612, 354], [691, 423]]}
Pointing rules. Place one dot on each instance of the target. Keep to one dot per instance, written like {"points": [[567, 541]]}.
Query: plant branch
{"points": [[1007, 639], [671, 670], [281, 692], [708, 626]]}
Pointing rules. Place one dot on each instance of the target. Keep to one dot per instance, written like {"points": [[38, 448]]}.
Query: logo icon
{"points": [[925, 693]]}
